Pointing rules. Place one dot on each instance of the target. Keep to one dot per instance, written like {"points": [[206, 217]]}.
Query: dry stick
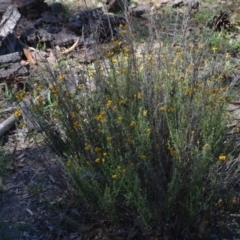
{"points": [[9, 109], [72, 47], [7, 124]]}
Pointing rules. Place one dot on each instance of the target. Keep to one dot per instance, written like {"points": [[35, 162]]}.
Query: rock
{"points": [[140, 10], [116, 6]]}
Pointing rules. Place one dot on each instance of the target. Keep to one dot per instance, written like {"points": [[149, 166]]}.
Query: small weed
{"points": [[36, 189], [22, 227], [3, 163], [202, 17], [3, 234]]}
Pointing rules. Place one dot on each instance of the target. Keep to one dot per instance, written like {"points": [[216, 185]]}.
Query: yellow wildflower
{"points": [[108, 104], [129, 140], [114, 176], [148, 130], [132, 124], [20, 95], [40, 100], [143, 157], [228, 55], [145, 112], [214, 49], [17, 113], [120, 119], [109, 139], [138, 95], [92, 74], [222, 158], [101, 117], [77, 125], [162, 108], [73, 115], [114, 60], [104, 154], [69, 163], [149, 57], [206, 146], [109, 54], [79, 86], [97, 160], [61, 78], [87, 147], [97, 150], [171, 109], [179, 53]]}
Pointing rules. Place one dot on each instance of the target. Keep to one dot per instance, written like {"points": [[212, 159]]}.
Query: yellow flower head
{"points": [[80, 86], [115, 176], [148, 130], [114, 60], [20, 95], [97, 150], [76, 125], [109, 139], [17, 113], [97, 160], [87, 147], [214, 49], [222, 157], [120, 119], [132, 124], [145, 112], [206, 146], [69, 163], [108, 104], [61, 78]]}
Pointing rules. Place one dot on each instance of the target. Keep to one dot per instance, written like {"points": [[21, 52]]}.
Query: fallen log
{"points": [[10, 58], [4, 5], [9, 21], [15, 68], [7, 124]]}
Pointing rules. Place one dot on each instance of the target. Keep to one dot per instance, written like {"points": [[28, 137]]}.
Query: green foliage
{"points": [[146, 144], [203, 16]]}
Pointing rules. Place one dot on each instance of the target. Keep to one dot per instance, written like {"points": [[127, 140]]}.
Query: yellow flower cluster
{"points": [[120, 170], [20, 95], [100, 155], [61, 78], [101, 117]]}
